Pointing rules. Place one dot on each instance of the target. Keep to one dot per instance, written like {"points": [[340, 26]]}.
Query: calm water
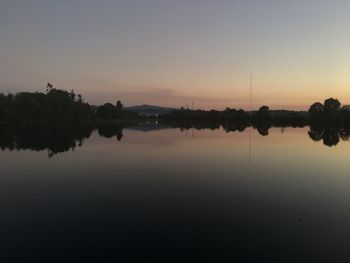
{"points": [[158, 194]]}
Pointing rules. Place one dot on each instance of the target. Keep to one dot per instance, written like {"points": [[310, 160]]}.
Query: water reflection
{"points": [[329, 136], [39, 137], [63, 138], [110, 130], [263, 130], [158, 195]]}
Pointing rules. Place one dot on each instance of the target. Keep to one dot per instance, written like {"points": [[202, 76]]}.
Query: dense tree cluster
{"points": [[108, 111], [55, 105], [330, 112], [60, 105]]}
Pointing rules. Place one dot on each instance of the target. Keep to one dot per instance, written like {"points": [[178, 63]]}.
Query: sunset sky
{"points": [[172, 52]]}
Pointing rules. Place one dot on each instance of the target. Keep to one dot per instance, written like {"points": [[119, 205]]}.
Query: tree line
{"points": [[241, 118], [55, 105], [60, 105], [331, 112]]}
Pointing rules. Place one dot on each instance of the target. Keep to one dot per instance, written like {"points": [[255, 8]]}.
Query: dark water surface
{"points": [[166, 195]]}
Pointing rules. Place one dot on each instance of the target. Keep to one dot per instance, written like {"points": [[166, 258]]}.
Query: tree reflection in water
{"points": [[109, 130], [329, 136], [59, 138], [39, 137]]}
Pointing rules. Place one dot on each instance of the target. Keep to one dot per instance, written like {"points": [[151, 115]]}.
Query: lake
{"points": [[162, 194]]}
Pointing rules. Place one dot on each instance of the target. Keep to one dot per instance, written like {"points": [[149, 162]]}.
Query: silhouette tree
{"points": [[331, 105], [264, 112], [264, 109], [107, 111], [316, 108], [119, 106], [345, 108], [263, 116], [49, 87], [72, 94], [80, 98]]}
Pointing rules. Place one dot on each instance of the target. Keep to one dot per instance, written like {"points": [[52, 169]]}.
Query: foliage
{"points": [[55, 105], [331, 105], [315, 108]]}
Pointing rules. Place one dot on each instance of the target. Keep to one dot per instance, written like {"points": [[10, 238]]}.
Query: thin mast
{"points": [[250, 91]]}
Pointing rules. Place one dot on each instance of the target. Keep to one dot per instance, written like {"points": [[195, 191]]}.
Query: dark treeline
{"points": [[55, 105], [330, 113], [24, 112], [238, 119]]}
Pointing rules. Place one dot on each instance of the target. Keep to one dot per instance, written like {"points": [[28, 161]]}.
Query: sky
{"points": [[173, 52]]}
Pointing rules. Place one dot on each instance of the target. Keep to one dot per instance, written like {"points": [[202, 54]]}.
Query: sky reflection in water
{"points": [[176, 195]]}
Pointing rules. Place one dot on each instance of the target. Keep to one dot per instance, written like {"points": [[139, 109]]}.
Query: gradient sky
{"points": [[170, 52]]}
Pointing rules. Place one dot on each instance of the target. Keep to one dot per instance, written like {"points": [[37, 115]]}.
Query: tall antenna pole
{"points": [[250, 91]]}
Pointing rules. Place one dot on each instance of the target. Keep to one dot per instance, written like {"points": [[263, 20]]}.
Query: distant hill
{"points": [[149, 109]]}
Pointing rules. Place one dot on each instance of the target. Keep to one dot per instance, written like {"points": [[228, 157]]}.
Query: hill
{"points": [[149, 109]]}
